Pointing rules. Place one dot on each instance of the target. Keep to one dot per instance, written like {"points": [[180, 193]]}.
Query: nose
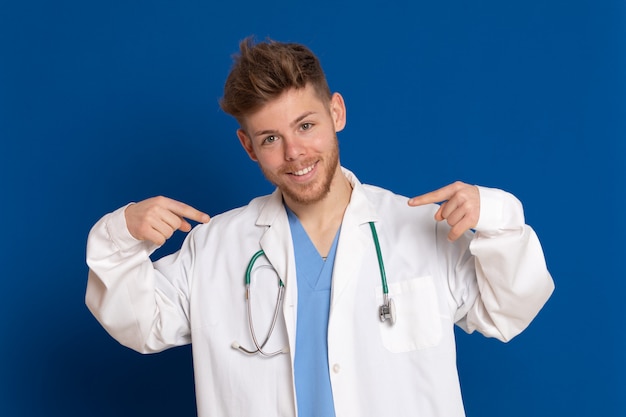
{"points": [[293, 148]]}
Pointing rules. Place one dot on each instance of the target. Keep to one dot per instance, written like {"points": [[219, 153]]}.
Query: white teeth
{"points": [[303, 171]]}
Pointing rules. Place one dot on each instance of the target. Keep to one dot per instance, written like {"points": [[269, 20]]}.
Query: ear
{"points": [[338, 111], [246, 142]]}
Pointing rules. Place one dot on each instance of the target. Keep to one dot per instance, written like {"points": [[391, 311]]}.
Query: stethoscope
{"points": [[386, 311]]}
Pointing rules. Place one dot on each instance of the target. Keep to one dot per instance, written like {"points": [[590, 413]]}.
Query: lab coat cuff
{"points": [[499, 211]]}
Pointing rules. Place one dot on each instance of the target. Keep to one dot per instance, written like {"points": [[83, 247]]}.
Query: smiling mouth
{"points": [[303, 171]]}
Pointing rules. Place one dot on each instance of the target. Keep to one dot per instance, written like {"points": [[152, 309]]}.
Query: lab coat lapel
{"points": [[276, 241], [353, 240], [277, 244]]}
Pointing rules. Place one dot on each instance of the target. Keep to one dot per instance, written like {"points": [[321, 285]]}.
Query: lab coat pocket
{"points": [[418, 324]]}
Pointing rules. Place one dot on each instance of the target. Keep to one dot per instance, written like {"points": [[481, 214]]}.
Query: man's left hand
{"points": [[460, 206]]}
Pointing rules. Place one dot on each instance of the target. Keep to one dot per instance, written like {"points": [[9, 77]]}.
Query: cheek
{"points": [[269, 160], [322, 141]]}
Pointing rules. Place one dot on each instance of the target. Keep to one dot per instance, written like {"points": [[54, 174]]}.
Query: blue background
{"points": [[102, 103]]}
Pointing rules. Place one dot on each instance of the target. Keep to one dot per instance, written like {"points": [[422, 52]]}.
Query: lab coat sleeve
{"points": [[132, 300], [512, 280]]}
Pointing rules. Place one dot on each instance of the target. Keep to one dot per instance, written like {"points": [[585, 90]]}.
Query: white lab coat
{"points": [[494, 281]]}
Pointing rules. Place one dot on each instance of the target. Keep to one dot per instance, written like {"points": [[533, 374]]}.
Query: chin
{"points": [[309, 196]]}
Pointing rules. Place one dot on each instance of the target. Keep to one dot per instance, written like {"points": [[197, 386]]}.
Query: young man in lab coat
{"points": [[320, 232]]}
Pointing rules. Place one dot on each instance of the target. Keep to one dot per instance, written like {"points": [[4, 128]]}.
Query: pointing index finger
{"points": [[436, 196], [189, 212]]}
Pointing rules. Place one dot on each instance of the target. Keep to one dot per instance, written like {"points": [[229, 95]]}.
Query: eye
{"points": [[270, 139], [306, 126]]}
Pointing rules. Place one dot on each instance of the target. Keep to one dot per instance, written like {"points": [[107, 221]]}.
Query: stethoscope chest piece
{"points": [[388, 311]]}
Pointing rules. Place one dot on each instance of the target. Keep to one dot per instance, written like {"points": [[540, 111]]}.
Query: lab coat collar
{"points": [[360, 209], [359, 206], [353, 241]]}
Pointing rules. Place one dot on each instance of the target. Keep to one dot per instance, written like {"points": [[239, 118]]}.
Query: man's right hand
{"points": [[156, 219]]}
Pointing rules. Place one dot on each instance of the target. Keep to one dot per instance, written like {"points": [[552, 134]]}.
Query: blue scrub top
{"points": [[314, 275]]}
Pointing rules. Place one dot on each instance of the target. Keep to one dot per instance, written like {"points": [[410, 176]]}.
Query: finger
{"points": [[454, 217], [157, 218], [174, 212], [154, 235], [439, 214], [460, 228], [174, 221], [442, 194], [167, 223], [185, 226], [158, 236], [161, 231], [461, 219], [186, 211], [454, 234], [446, 209]]}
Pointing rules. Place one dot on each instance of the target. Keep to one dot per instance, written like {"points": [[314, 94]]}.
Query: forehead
{"points": [[286, 108]]}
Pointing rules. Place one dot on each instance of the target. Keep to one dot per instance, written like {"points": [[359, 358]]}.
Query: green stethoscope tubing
{"points": [[251, 265], [279, 297], [379, 255], [386, 310], [381, 264]]}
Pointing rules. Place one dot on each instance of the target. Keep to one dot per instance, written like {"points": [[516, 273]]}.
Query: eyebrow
{"points": [[301, 118], [292, 124]]}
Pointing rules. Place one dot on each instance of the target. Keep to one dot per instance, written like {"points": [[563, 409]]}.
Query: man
{"points": [[373, 282]]}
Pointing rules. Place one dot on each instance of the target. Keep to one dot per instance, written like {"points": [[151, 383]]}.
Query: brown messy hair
{"points": [[263, 71]]}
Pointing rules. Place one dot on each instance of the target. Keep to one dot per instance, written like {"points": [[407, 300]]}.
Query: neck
{"points": [[328, 209], [321, 220]]}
